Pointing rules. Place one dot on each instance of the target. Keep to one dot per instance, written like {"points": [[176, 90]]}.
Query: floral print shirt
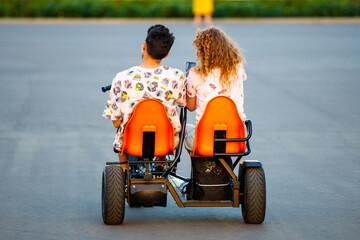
{"points": [[166, 84], [209, 87]]}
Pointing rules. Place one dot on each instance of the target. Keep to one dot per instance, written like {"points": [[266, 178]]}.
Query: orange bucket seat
{"points": [[220, 115], [149, 131]]}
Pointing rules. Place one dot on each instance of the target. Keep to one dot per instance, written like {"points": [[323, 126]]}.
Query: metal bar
{"points": [[113, 163], [236, 198], [228, 169], [149, 161], [248, 147], [235, 154], [157, 180], [230, 139], [231, 154], [236, 193], [237, 161], [174, 194], [248, 125], [213, 185], [195, 203], [128, 184], [182, 136]]}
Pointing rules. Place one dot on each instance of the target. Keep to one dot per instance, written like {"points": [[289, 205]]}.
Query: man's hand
{"points": [[117, 123]]}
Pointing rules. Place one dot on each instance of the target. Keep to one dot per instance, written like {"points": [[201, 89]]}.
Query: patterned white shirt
{"points": [[166, 84]]}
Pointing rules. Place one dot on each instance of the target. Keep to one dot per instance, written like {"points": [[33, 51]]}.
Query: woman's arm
{"points": [[190, 103]]}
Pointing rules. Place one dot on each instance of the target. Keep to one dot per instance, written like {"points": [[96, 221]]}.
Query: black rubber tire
{"points": [[254, 201], [113, 195]]}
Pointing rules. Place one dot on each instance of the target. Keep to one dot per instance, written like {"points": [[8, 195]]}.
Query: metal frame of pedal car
{"points": [[175, 192], [167, 177]]}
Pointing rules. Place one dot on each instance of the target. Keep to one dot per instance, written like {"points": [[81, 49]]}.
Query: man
{"points": [[148, 80]]}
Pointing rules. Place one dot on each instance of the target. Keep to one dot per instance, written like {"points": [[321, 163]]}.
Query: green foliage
{"points": [[4, 11], [320, 8], [177, 8]]}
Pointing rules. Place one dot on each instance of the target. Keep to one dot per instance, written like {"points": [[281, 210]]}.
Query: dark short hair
{"points": [[159, 41]]}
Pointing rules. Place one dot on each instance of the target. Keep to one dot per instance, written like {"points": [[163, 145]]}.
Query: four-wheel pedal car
{"points": [[221, 140]]}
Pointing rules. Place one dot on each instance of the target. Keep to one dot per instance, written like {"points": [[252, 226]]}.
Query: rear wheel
{"points": [[113, 195], [254, 201]]}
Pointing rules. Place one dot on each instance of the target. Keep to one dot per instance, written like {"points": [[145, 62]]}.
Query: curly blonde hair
{"points": [[216, 50]]}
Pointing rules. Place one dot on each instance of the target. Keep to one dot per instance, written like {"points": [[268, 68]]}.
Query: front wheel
{"points": [[113, 195], [254, 202]]}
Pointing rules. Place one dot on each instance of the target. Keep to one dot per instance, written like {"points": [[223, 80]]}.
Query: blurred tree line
{"points": [[177, 8]]}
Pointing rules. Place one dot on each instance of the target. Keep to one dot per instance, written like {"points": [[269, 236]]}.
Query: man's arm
{"points": [[112, 111], [180, 97], [191, 92], [190, 103]]}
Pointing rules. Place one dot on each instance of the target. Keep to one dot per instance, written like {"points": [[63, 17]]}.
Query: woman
{"points": [[220, 73]]}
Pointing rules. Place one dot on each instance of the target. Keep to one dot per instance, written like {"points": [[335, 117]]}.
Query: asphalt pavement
{"points": [[302, 95]]}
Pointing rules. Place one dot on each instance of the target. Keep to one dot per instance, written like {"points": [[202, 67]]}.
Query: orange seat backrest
{"points": [[149, 115], [220, 114]]}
